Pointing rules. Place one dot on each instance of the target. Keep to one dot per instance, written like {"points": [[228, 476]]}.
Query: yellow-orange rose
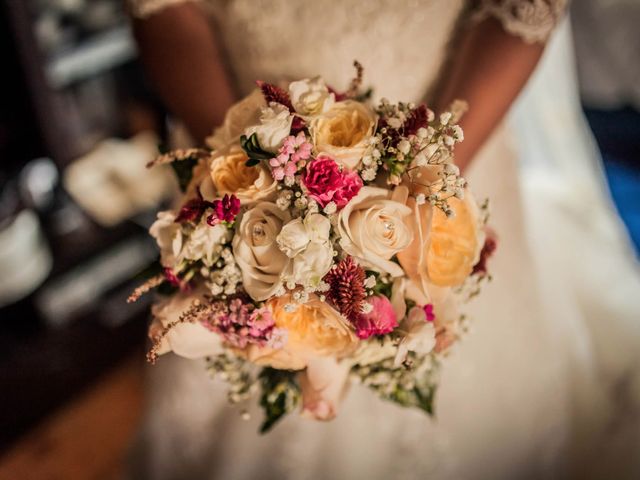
{"points": [[443, 250], [314, 329], [231, 175], [343, 132]]}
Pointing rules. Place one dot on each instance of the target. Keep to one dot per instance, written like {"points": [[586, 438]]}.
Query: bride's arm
{"points": [[491, 63], [181, 56]]}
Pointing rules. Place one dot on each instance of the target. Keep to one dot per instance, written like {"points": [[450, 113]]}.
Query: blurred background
{"points": [[78, 122]]}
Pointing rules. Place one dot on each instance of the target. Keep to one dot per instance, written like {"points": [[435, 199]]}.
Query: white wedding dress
{"points": [[535, 389]]}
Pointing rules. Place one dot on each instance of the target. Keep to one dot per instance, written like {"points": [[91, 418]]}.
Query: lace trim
{"points": [[531, 20], [146, 8]]}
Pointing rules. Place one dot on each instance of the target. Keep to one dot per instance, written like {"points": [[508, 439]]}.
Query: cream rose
{"points": [[231, 175], [240, 116], [323, 384], [310, 96], [168, 235], [344, 131], [373, 228], [262, 263], [274, 127], [187, 339]]}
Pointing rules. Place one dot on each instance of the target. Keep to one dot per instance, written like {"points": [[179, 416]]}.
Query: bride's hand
{"points": [[488, 69]]}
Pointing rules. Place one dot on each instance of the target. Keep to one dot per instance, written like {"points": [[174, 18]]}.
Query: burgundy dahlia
{"points": [[346, 287]]}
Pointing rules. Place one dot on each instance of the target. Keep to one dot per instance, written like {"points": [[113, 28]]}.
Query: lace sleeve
{"points": [[146, 8], [531, 20]]}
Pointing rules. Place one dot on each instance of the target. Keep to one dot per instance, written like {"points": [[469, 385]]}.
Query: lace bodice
{"points": [[401, 43]]}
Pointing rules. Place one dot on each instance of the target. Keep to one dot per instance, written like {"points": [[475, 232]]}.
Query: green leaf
{"points": [[280, 395], [252, 148], [184, 171]]}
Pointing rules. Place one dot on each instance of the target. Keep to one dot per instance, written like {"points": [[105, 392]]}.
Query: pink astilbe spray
{"points": [[293, 151], [241, 324]]}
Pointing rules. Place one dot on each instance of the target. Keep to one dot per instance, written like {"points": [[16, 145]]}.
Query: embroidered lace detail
{"points": [[531, 20], [146, 8]]}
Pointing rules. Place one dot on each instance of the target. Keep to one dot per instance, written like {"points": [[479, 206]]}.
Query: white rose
{"points": [[187, 339], [275, 126], [420, 335], [293, 238], [168, 235], [310, 266], [307, 242], [256, 251], [373, 228], [344, 132], [240, 116], [310, 96], [205, 242]]}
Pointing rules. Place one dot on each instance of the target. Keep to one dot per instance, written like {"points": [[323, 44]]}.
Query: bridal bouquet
{"points": [[320, 240]]}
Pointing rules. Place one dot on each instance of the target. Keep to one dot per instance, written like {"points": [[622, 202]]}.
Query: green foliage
{"points": [[254, 151], [280, 395], [184, 171]]}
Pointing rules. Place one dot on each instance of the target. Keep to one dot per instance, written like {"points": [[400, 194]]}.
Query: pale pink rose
{"points": [[379, 321], [326, 182], [323, 384]]}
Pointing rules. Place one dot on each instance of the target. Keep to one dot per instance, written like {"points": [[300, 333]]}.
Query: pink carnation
{"points": [[325, 182], [379, 321]]}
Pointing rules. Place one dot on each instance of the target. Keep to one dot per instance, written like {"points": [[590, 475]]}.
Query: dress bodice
{"points": [[401, 43]]}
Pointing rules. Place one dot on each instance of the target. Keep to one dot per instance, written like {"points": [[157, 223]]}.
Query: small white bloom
{"points": [[445, 117], [366, 307], [370, 282], [421, 159], [421, 199], [330, 208], [311, 96], [404, 146], [422, 132], [290, 307], [394, 122], [275, 126], [375, 153], [451, 169]]}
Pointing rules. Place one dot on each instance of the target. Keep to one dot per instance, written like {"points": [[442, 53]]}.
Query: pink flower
{"points": [[325, 182], [293, 150], [224, 210], [428, 311], [380, 320], [241, 324]]}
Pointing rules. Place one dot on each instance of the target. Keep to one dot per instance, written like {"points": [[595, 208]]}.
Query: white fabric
{"points": [[527, 393]]}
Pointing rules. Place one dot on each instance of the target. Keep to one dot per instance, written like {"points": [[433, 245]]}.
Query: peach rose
{"points": [[314, 329], [230, 175], [343, 132], [443, 250]]}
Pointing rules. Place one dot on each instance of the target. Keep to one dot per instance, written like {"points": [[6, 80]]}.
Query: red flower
{"points": [[224, 210]]}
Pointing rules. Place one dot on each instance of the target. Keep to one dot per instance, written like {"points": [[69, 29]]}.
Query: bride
{"points": [[543, 384]]}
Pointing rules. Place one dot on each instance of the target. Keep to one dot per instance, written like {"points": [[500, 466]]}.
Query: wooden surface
{"points": [[88, 438]]}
